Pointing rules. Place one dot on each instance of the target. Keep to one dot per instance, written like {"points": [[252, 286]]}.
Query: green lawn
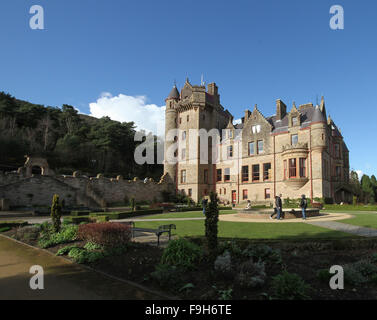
{"points": [[252, 230], [346, 208], [189, 214], [368, 220]]}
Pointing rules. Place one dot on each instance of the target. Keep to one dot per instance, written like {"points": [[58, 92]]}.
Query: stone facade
{"points": [[22, 188], [290, 153]]}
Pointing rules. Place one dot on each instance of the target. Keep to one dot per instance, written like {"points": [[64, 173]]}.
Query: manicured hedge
{"points": [[12, 224], [80, 213]]}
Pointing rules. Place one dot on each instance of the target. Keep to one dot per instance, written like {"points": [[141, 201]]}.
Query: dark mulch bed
{"points": [[302, 258]]}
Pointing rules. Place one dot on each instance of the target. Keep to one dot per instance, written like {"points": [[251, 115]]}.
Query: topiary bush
{"points": [[211, 224], [56, 213], [106, 234], [290, 286], [182, 253]]}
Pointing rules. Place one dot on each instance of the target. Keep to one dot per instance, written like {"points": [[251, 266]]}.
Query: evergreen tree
{"points": [[56, 213], [211, 224], [367, 189]]}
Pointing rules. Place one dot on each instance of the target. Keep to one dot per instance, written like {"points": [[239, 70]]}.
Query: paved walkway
{"points": [[347, 228], [63, 279]]}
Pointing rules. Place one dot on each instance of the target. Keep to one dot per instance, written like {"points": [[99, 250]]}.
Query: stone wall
{"points": [[38, 190]]}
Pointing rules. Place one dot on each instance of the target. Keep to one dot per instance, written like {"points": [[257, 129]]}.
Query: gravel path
{"points": [[348, 228]]}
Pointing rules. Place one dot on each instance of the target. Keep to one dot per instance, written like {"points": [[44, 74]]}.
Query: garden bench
{"points": [[158, 232]]}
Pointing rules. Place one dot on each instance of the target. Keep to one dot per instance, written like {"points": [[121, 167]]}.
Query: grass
{"points": [[368, 220], [185, 215], [253, 230], [348, 207]]}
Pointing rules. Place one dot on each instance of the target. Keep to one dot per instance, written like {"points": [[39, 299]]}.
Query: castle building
{"points": [[291, 153]]}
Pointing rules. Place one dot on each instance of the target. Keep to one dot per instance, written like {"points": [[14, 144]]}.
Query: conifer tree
{"points": [[211, 224], [56, 213]]}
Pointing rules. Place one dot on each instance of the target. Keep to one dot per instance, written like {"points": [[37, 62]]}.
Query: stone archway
{"points": [[37, 162]]}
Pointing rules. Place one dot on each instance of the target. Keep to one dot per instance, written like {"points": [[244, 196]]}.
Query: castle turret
{"points": [[170, 126], [319, 132]]}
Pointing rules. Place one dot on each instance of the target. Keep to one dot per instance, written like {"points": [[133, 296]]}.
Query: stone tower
{"points": [[170, 167]]}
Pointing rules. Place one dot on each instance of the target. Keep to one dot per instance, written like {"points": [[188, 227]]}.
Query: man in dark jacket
{"points": [[279, 207], [204, 205], [303, 205]]}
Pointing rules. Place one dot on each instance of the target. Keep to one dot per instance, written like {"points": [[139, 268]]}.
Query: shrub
{"points": [[105, 234], [182, 253], [91, 246], [359, 272], [28, 233], [223, 264], [5, 229], [48, 239], [263, 252], [168, 276], [324, 275], [251, 274], [289, 286], [64, 251], [233, 248]]}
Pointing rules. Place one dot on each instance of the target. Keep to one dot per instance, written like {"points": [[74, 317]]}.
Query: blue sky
{"points": [[121, 55]]}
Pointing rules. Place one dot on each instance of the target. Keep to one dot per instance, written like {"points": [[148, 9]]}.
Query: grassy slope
{"points": [[252, 230]]}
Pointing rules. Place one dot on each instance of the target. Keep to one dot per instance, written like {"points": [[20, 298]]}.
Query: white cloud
{"points": [[359, 173], [123, 108], [238, 121]]}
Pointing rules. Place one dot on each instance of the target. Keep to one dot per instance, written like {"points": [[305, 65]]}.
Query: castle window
{"points": [[184, 135], [219, 175], [338, 171], [260, 146], [251, 148], [256, 173], [294, 121], [302, 167], [230, 152], [245, 195], [183, 176], [230, 134], [224, 191], [267, 194], [285, 169], [245, 173], [205, 176], [227, 174], [188, 118], [266, 171], [337, 150], [256, 129], [183, 154], [292, 168], [294, 139], [180, 120], [190, 193]]}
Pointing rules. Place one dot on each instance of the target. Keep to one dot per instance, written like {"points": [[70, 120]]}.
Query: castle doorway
{"points": [[36, 170]]}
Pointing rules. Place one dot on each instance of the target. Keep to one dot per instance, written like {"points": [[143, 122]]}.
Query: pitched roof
{"points": [[174, 94]]}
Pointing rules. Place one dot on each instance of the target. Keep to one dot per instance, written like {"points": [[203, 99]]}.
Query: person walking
{"points": [[279, 207], [204, 205], [303, 205]]}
